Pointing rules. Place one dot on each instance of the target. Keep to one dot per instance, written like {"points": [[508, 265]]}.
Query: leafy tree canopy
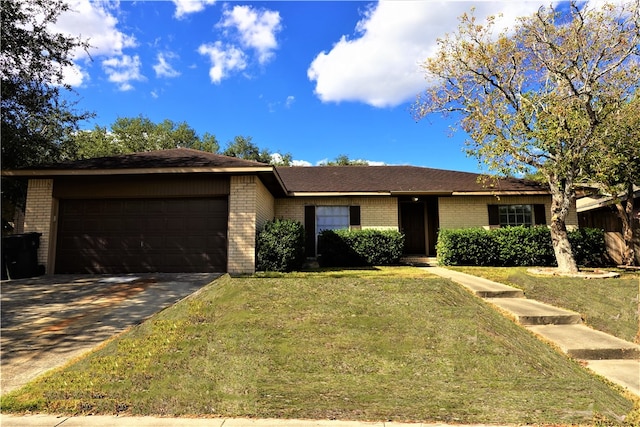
{"points": [[538, 95], [139, 134], [35, 117], [243, 148], [344, 160], [133, 135]]}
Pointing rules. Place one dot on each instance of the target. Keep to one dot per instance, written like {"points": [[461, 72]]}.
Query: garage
{"points": [[142, 235]]}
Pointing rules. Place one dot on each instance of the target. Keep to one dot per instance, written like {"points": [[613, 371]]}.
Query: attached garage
{"points": [[136, 224], [177, 210], [142, 235]]}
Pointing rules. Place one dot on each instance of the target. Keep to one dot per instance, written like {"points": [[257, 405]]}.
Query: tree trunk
{"points": [[562, 197], [625, 210]]}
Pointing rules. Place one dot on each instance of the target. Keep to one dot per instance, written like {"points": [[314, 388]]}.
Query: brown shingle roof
{"points": [[174, 158], [393, 179]]}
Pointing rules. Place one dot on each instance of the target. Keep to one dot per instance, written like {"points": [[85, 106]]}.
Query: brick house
{"points": [[184, 210]]}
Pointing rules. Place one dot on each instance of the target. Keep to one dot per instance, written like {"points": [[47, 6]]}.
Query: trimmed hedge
{"points": [[280, 246], [516, 246], [353, 248]]}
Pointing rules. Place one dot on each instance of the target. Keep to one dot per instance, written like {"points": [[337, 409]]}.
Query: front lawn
{"points": [[609, 305], [378, 344]]}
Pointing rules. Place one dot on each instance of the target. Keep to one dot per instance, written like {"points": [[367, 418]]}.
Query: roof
{"points": [[598, 200], [396, 180], [160, 159], [177, 160], [295, 180]]}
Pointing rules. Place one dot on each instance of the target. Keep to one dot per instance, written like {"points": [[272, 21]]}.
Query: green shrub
{"points": [[516, 246], [523, 246], [351, 248], [280, 246], [588, 246], [467, 246]]}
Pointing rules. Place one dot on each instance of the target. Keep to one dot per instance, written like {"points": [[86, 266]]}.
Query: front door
{"points": [[412, 225]]}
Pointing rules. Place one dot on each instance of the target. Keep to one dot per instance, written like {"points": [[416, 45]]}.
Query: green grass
{"points": [[609, 305], [372, 344]]}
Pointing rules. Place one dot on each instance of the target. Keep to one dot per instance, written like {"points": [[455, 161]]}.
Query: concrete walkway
{"points": [[611, 357]]}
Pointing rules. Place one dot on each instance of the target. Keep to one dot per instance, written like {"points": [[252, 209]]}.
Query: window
{"points": [[332, 218], [513, 215], [318, 218]]}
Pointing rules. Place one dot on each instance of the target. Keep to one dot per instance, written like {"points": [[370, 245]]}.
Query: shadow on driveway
{"points": [[49, 320]]}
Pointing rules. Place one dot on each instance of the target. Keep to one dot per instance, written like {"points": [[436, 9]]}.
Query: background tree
{"points": [[243, 148], [344, 160], [35, 117], [615, 166], [536, 96], [134, 135]]}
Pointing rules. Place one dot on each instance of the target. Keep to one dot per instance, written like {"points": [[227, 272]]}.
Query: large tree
{"points": [[536, 96], [615, 167], [35, 115]]}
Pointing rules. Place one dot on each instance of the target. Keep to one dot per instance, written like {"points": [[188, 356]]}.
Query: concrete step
{"points": [[625, 373], [582, 342], [483, 288], [531, 312]]}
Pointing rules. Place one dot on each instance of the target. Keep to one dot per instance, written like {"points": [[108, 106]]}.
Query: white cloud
{"points": [[123, 71], [224, 60], [300, 163], [257, 29], [290, 100], [380, 66], [184, 7], [95, 23], [163, 68]]}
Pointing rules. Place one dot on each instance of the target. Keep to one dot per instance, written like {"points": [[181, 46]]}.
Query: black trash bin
{"points": [[20, 256]]}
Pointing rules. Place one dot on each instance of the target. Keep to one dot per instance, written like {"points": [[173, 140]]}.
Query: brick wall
{"points": [[250, 206], [38, 216], [265, 205], [471, 211], [375, 212]]}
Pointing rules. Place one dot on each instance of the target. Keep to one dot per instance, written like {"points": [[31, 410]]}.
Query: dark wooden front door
{"points": [[142, 235], [412, 223]]}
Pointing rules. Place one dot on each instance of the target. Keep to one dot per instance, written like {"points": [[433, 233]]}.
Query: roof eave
{"points": [[134, 171], [337, 193], [502, 193]]}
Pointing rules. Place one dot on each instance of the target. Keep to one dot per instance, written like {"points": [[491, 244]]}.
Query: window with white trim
{"points": [[514, 215]]}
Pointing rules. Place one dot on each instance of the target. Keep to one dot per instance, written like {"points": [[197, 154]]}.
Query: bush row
{"points": [[352, 248], [516, 246], [280, 247]]}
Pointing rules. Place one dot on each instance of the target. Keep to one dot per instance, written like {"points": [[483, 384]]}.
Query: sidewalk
{"points": [[108, 421], [608, 356]]}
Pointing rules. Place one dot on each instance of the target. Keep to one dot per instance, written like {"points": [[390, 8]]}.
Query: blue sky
{"points": [[314, 79]]}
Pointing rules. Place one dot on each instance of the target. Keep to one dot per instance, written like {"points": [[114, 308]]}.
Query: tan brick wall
{"points": [[471, 211], [250, 206], [265, 205], [375, 212], [38, 216]]}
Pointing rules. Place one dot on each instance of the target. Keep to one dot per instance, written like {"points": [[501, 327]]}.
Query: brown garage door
{"points": [[142, 235]]}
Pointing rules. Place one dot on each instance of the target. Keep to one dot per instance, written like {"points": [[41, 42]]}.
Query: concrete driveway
{"points": [[49, 320]]}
